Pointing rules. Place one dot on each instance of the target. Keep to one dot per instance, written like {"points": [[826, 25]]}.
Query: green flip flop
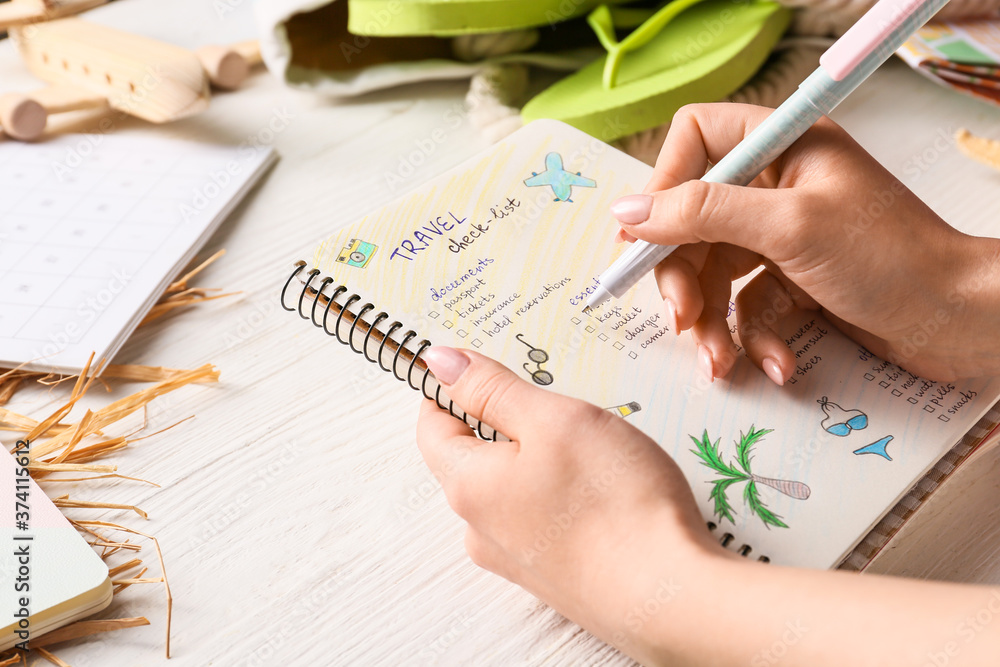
{"points": [[688, 51], [447, 18]]}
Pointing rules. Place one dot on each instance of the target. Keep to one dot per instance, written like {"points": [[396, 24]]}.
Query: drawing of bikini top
{"points": [[839, 421]]}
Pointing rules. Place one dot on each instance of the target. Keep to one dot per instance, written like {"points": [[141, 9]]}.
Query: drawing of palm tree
{"points": [[710, 457]]}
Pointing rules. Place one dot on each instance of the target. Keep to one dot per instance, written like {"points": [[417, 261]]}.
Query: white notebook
{"points": [[50, 575], [92, 230], [500, 254]]}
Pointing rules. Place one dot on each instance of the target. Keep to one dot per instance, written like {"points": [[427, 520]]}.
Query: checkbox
{"points": [[792, 381], [912, 400], [896, 392], [944, 418], [575, 320], [462, 333], [619, 346], [476, 342], [589, 329], [869, 377], [928, 408], [884, 384], [449, 324], [633, 355], [602, 336], [433, 314]]}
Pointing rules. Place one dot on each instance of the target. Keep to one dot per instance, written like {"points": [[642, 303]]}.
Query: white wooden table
{"points": [[299, 523]]}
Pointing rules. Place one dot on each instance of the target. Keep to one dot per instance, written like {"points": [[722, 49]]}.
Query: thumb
{"points": [[758, 219], [491, 392]]}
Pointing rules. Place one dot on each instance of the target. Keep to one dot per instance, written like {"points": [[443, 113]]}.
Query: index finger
{"points": [[699, 135]]}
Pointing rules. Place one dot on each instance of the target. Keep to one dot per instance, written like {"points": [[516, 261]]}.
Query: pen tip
{"points": [[586, 310]]}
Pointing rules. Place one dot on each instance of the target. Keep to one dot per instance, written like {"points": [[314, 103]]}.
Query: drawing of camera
{"points": [[357, 253]]}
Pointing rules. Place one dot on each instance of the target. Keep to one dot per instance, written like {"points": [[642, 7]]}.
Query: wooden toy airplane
{"points": [[90, 66]]}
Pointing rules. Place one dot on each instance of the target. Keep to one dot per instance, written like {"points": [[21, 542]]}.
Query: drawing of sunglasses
{"points": [[839, 421], [539, 356], [357, 253]]}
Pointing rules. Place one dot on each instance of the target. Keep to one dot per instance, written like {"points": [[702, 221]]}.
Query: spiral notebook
{"points": [[500, 254]]}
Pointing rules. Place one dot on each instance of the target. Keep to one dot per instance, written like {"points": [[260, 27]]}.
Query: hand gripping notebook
{"points": [[499, 256]]}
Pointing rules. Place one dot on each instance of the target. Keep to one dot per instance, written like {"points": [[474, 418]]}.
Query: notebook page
{"points": [[93, 228], [499, 256]]}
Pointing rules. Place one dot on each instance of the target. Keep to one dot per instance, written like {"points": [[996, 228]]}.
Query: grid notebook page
{"points": [[94, 227]]}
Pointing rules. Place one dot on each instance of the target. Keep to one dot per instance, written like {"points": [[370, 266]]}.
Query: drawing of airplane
{"points": [[560, 180]]}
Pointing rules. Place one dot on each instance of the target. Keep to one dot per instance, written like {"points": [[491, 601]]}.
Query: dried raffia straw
{"points": [[124, 567], [51, 658], [97, 449], [184, 299], [82, 429], [41, 466], [8, 386], [64, 501], [980, 149], [167, 428], [181, 283], [135, 580], [123, 407], [178, 294], [129, 582], [83, 383], [122, 584], [85, 629], [163, 569], [138, 580], [11, 421], [116, 546], [115, 476], [137, 373]]}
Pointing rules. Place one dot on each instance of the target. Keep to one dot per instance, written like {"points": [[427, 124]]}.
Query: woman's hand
{"points": [[835, 231], [590, 515], [580, 508]]}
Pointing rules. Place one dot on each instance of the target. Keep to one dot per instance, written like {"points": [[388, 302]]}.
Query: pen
{"points": [[842, 68]]}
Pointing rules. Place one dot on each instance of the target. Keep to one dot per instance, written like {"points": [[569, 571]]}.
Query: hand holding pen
{"points": [[851, 60], [741, 144], [836, 233]]}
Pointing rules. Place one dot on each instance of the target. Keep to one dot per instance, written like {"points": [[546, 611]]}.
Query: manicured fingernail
{"points": [[632, 209], [446, 363], [672, 316], [622, 235], [773, 371], [705, 362]]}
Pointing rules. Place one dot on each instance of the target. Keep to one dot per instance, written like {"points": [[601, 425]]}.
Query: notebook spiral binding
{"points": [[727, 539], [336, 304], [341, 309]]}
